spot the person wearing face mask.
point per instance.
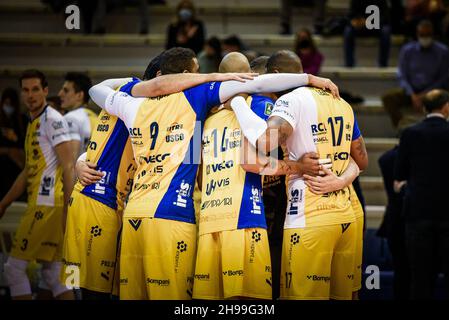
(12, 135)
(423, 65)
(307, 51)
(426, 209)
(186, 31)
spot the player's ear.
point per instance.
(185, 71)
(158, 73)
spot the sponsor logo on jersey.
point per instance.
(174, 137)
(99, 186)
(153, 158)
(219, 166)
(135, 223)
(341, 156)
(268, 108)
(215, 184)
(147, 186)
(318, 278)
(57, 125)
(296, 197)
(47, 184)
(135, 133)
(184, 193)
(232, 273)
(105, 118)
(216, 203)
(103, 128)
(256, 199)
(318, 129)
(202, 277)
(159, 282)
(174, 127)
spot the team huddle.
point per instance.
(229, 185)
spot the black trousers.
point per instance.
(427, 245)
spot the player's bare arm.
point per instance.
(359, 153)
(65, 159)
(75, 146)
(172, 83)
(17, 189)
(330, 182)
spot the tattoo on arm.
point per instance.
(361, 149)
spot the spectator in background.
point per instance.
(209, 59)
(357, 27)
(319, 10)
(232, 44)
(307, 51)
(419, 10)
(187, 31)
(393, 225)
(422, 162)
(423, 66)
(12, 137)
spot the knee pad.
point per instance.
(50, 275)
(15, 273)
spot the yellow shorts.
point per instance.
(318, 262)
(39, 235)
(233, 264)
(90, 243)
(157, 259)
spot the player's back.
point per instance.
(324, 125)
(231, 197)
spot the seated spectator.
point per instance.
(12, 137)
(422, 162)
(419, 10)
(319, 10)
(232, 44)
(209, 59)
(357, 27)
(186, 31)
(307, 51)
(423, 66)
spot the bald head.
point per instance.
(234, 62)
(436, 100)
(284, 61)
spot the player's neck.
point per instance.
(76, 106)
(37, 112)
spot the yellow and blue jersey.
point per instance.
(231, 197)
(110, 149)
(165, 134)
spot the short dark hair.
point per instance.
(284, 61)
(233, 41)
(153, 67)
(435, 100)
(259, 64)
(34, 73)
(81, 82)
(176, 60)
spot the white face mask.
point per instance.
(8, 109)
(425, 42)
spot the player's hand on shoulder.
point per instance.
(325, 84)
(86, 173)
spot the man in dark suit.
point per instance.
(423, 159)
(393, 226)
